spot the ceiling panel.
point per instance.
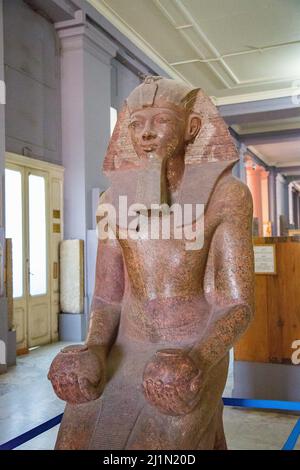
(285, 153)
(233, 25)
(147, 22)
(267, 126)
(207, 42)
(268, 66)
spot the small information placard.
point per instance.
(264, 259)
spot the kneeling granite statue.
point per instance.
(166, 309)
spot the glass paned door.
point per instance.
(39, 323)
(26, 215)
(15, 205)
(14, 225)
(37, 235)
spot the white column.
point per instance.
(86, 56)
(240, 167)
(2, 118)
(243, 156)
(291, 211)
(272, 199)
(279, 199)
(3, 303)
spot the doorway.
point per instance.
(33, 220)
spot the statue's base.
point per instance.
(72, 326)
(266, 381)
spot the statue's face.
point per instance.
(158, 132)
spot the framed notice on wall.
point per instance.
(265, 259)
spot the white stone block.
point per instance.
(71, 276)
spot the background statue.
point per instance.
(154, 366)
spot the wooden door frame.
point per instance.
(53, 172)
(24, 299)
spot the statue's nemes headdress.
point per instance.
(206, 158)
(213, 143)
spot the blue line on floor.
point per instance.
(293, 437)
(238, 402)
(27, 436)
(264, 404)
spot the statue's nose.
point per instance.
(148, 133)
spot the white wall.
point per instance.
(123, 81)
(2, 117)
(3, 306)
(32, 74)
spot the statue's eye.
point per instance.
(163, 120)
(135, 124)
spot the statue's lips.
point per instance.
(149, 148)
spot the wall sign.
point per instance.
(264, 259)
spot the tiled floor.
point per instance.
(27, 400)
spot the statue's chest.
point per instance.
(181, 230)
(166, 249)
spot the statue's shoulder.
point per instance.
(234, 187)
(236, 195)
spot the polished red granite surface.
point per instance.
(166, 311)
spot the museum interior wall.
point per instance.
(3, 302)
(32, 75)
(63, 73)
(123, 81)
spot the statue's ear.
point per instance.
(193, 127)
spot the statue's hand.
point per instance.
(172, 382)
(77, 374)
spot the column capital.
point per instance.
(79, 34)
(252, 166)
(250, 170)
(280, 178)
(264, 174)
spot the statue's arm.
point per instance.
(108, 293)
(230, 289)
(78, 373)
